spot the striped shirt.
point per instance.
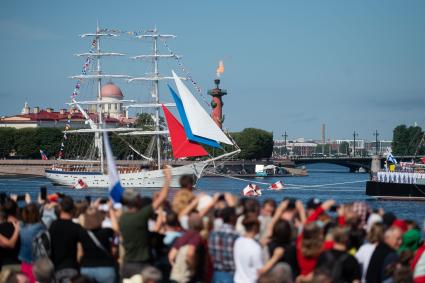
(220, 244)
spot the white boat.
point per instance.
(196, 128)
(251, 190)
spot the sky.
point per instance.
(289, 65)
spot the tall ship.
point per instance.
(197, 139)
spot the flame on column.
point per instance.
(220, 68)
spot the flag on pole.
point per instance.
(43, 155)
(391, 158)
(115, 188)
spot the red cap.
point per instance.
(400, 224)
(53, 198)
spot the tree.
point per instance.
(406, 140)
(7, 141)
(254, 143)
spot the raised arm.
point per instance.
(114, 219)
(165, 189)
(278, 213)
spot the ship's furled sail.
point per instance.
(186, 125)
(182, 146)
(200, 122)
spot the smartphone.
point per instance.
(43, 193)
(88, 199)
(103, 201)
(334, 208)
(20, 198)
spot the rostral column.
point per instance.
(217, 101)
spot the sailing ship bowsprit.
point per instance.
(187, 137)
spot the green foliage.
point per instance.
(406, 140)
(7, 141)
(254, 143)
(27, 142)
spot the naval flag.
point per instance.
(115, 188)
(391, 158)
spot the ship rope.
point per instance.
(293, 186)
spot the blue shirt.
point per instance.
(26, 235)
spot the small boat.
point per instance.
(278, 186)
(80, 184)
(252, 190)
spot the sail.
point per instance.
(200, 122)
(186, 125)
(182, 147)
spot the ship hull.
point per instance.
(141, 179)
(384, 190)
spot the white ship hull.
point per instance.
(140, 179)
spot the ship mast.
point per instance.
(155, 78)
(97, 76)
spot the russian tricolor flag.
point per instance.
(115, 188)
(43, 155)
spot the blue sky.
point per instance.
(289, 65)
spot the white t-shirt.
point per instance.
(363, 256)
(248, 259)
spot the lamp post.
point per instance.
(376, 134)
(354, 144)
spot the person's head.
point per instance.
(312, 241)
(67, 205)
(16, 277)
(187, 182)
(376, 233)
(131, 198)
(80, 207)
(151, 274)
(388, 219)
(81, 279)
(340, 236)
(93, 218)
(43, 270)
(228, 214)
(280, 273)
(195, 222)
(411, 224)
(251, 206)
(10, 208)
(30, 214)
(172, 220)
(393, 237)
(251, 224)
(268, 208)
(282, 232)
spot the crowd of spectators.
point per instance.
(194, 237)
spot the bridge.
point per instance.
(352, 162)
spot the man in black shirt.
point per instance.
(64, 236)
(337, 263)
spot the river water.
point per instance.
(325, 181)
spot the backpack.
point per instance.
(41, 246)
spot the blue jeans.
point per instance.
(100, 274)
(223, 277)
